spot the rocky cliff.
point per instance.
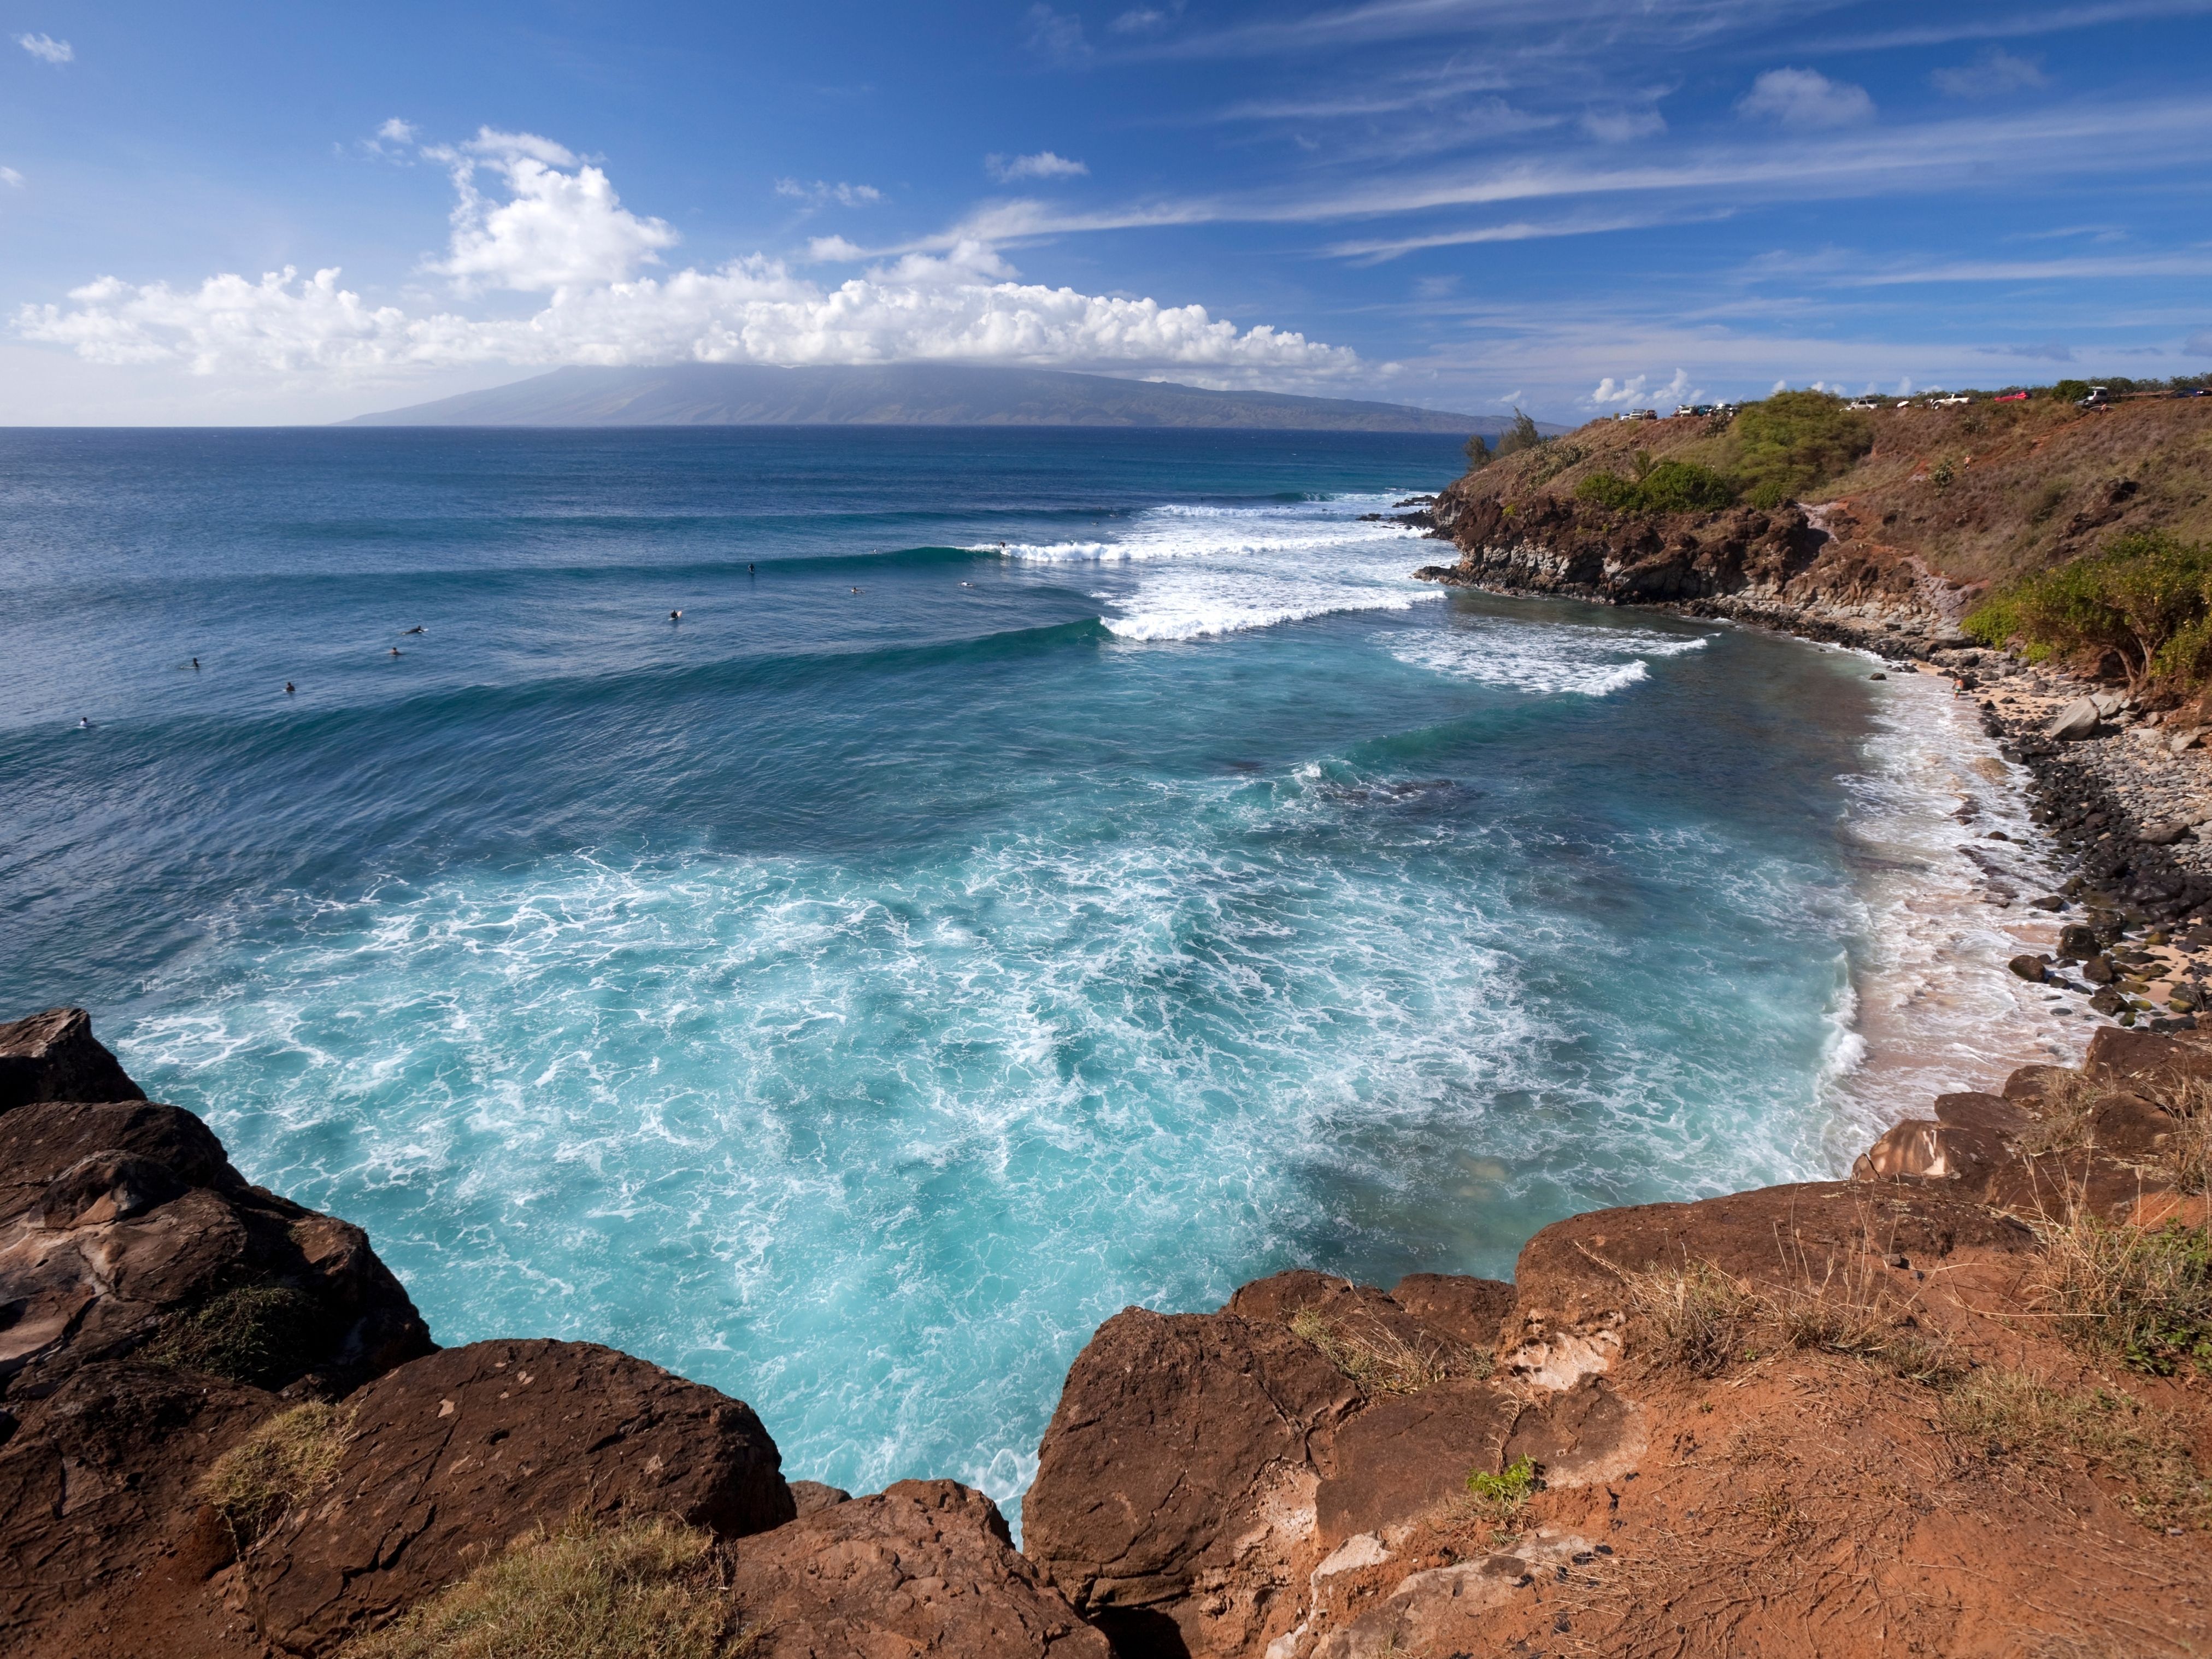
(1886, 554)
(1950, 1405)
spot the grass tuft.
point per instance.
(2034, 1418)
(645, 1589)
(2142, 1294)
(1702, 1317)
(1505, 1494)
(285, 1461)
(262, 1335)
(1383, 1362)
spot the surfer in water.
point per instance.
(417, 629)
(287, 688)
(196, 662)
(676, 616)
(83, 724)
(395, 650)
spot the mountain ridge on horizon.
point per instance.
(903, 394)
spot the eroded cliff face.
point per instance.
(1820, 573)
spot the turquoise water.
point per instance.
(851, 994)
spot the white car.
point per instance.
(1953, 401)
(1862, 402)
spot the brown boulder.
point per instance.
(450, 1456)
(1975, 1110)
(2119, 1058)
(923, 1567)
(123, 1227)
(1176, 1482)
(1467, 1309)
(1920, 1149)
(54, 1056)
(1406, 1453)
(96, 1505)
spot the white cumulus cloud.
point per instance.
(561, 225)
(561, 230)
(1043, 165)
(1639, 389)
(1805, 97)
(46, 49)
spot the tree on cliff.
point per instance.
(1523, 435)
(1478, 454)
(2145, 598)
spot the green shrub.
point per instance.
(1666, 487)
(1793, 442)
(2070, 391)
(2144, 1296)
(1523, 435)
(1478, 454)
(2145, 597)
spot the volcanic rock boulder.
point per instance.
(447, 1458)
(124, 1228)
(97, 1489)
(923, 1567)
(1201, 1467)
(1175, 1499)
(54, 1056)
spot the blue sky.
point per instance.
(1560, 204)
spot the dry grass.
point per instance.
(1703, 1317)
(264, 1334)
(2142, 1294)
(2061, 1115)
(2188, 1143)
(2015, 1414)
(649, 1589)
(285, 1461)
(1380, 1360)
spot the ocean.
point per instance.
(1041, 871)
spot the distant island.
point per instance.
(904, 394)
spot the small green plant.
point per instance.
(1942, 474)
(1507, 1493)
(649, 1588)
(283, 1462)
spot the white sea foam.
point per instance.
(1935, 1008)
(1192, 571)
(1543, 657)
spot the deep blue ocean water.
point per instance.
(851, 992)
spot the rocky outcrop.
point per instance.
(446, 1458)
(53, 1056)
(123, 1228)
(922, 1567)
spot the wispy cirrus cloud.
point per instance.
(1991, 75)
(46, 49)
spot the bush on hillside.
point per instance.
(1667, 487)
(2069, 392)
(1795, 442)
(1478, 454)
(1521, 435)
(2145, 597)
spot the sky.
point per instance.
(262, 213)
